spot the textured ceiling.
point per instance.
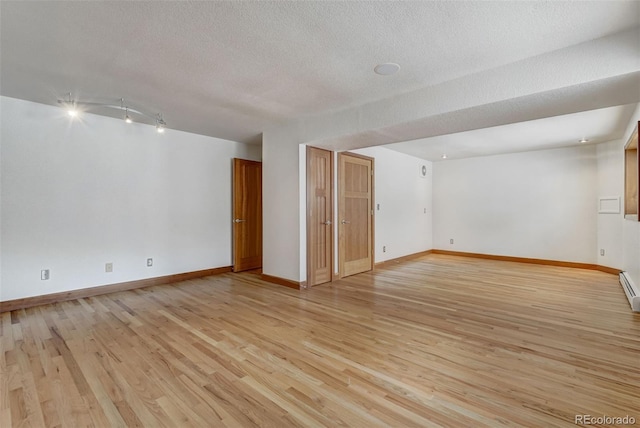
(234, 69)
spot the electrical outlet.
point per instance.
(44, 274)
(451, 241)
(378, 207)
(384, 248)
(108, 267)
(602, 252)
(425, 210)
(149, 262)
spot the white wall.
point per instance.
(479, 100)
(403, 222)
(302, 191)
(282, 230)
(611, 184)
(537, 204)
(78, 194)
(631, 249)
(630, 228)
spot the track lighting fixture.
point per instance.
(127, 118)
(72, 105)
(160, 124)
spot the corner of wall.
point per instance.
(281, 204)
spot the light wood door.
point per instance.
(319, 216)
(355, 227)
(247, 215)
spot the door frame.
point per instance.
(372, 207)
(332, 209)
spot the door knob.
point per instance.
(328, 223)
(239, 220)
(345, 222)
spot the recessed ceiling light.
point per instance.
(387, 69)
(444, 156)
(584, 140)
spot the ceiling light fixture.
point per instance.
(72, 105)
(444, 156)
(583, 140)
(127, 118)
(160, 124)
(387, 69)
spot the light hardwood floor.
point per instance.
(436, 341)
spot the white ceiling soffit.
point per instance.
(597, 126)
(614, 91)
(234, 69)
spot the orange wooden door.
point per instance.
(247, 215)
(319, 216)
(355, 228)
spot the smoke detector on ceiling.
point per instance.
(387, 69)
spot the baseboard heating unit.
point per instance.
(631, 290)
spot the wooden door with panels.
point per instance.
(355, 206)
(247, 215)
(319, 216)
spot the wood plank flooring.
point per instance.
(436, 341)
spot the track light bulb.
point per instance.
(160, 124)
(72, 109)
(127, 118)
